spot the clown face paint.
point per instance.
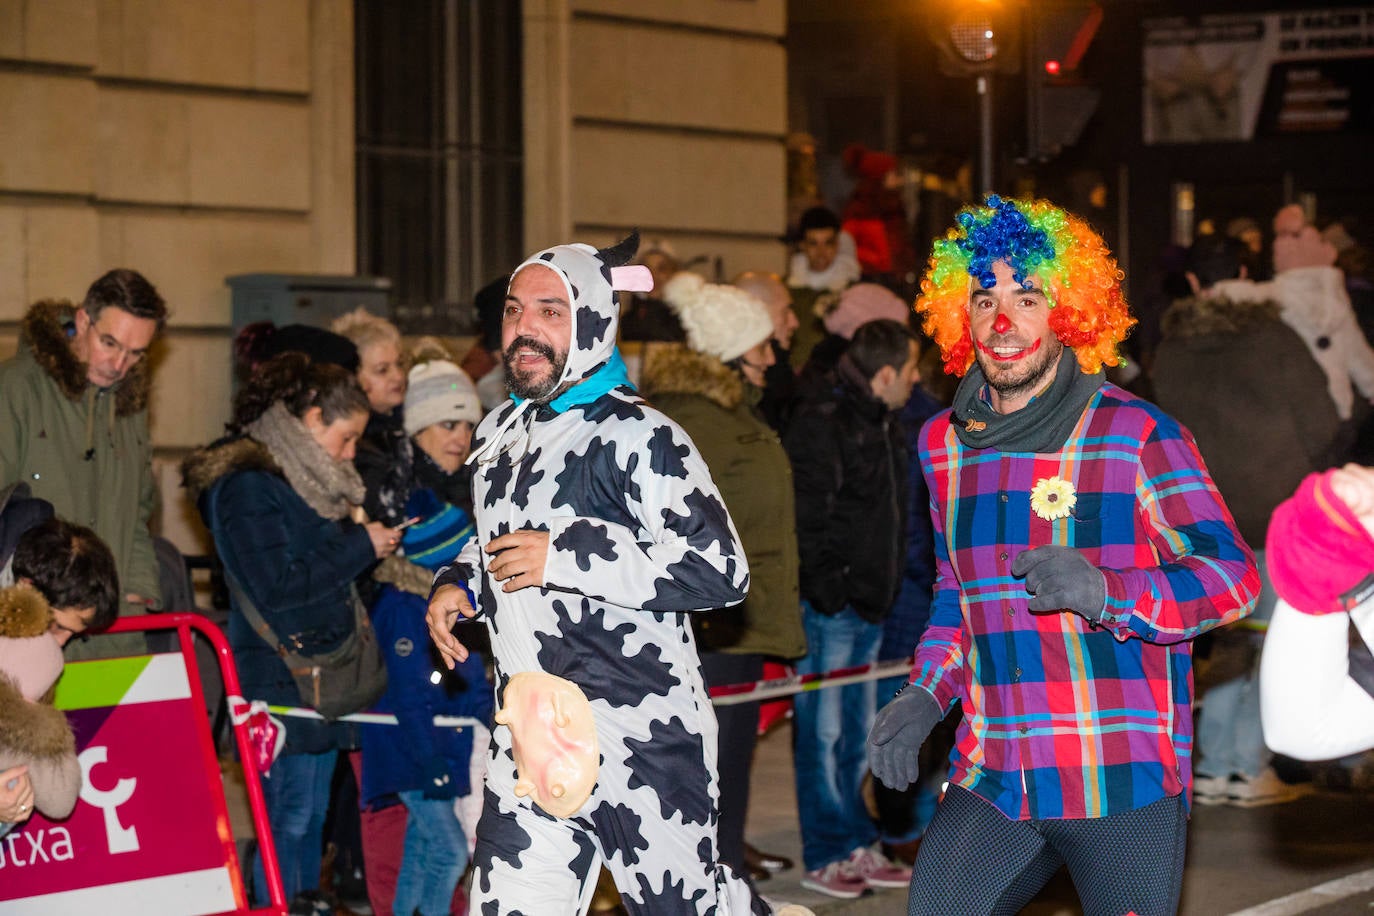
(1012, 340)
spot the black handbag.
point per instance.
(347, 679)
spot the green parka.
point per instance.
(709, 400)
(84, 449)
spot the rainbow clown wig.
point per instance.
(1036, 238)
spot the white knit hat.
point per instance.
(439, 391)
(720, 321)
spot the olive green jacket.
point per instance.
(747, 462)
(84, 449)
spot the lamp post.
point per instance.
(976, 39)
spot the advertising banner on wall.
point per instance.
(150, 833)
(1239, 76)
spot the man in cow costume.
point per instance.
(598, 527)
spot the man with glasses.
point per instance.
(74, 425)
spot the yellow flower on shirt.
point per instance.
(1052, 498)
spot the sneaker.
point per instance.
(835, 880)
(1211, 790)
(877, 870)
(1265, 789)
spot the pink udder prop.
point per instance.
(553, 738)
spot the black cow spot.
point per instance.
(592, 655)
(670, 762)
(692, 583)
(705, 523)
(486, 597)
(666, 454)
(586, 854)
(520, 496)
(498, 477)
(618, 827)
(604, 408)
(593, 485)
(586, 539)
(500, 836)
(672, 899)
(546, 256)
(591, 327)
(577, 293)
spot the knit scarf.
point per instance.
(332, 488)
(1041, 426)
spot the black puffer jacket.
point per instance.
(849, 464)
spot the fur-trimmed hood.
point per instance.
(43, 333)
(1207, 316)
(24, 612)
(204, 466)
(676, 369)
(32, 728)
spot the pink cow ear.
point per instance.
(635, 279)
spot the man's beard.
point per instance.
(1026, 376)
(527, 386)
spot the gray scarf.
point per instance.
(332, 488)
(1042, 426)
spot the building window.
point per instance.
(440, 157)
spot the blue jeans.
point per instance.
(297, 794)
(830, 728)
(1229, 739)
(436, 852)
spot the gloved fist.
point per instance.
(438, 783)
(899, 730)
(1061, 579)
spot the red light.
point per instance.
(1052, 67)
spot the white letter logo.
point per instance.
(119, 837)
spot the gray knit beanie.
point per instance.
(439, 391)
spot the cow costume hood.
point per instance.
(591, 278)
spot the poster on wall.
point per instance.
(1240, 76)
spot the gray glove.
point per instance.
(899, 730)
(1061, 579)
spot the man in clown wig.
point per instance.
(1080, 545)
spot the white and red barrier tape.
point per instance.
(724, 695)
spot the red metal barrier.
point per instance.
(151, 834)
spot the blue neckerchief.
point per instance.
(611, 375)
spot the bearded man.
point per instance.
(1080, 546)
(598, 528)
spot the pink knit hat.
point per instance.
(34, 663)
(1317, 549)
(862, 303)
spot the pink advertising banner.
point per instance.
(150, 833)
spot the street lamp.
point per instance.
(977, 38)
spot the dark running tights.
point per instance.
(974, 860)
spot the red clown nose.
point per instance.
(1001, 324)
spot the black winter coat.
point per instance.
(849, 467)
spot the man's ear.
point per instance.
(1195, 284)
(882, 379)
(82, 320)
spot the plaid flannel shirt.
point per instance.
(1063, 718)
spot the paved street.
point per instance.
(1239, 860)
(1313, 856)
